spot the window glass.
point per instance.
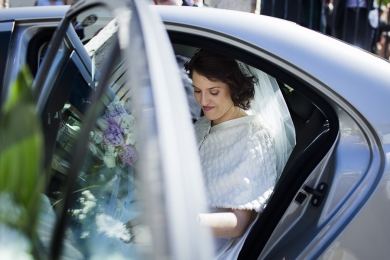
(89, 24)
(105, 214)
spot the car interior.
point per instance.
(316, 124)
(316, 127)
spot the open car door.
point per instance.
(119, 141)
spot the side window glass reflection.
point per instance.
(105, 213)
(80, 26)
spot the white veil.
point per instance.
(270, 106)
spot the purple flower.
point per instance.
(114, 113)
(128, 155)
(113, 136)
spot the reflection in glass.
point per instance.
(105, 216)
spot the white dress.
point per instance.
(239, 170)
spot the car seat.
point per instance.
(312, 132)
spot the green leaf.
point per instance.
(21, 90)
(21, 151)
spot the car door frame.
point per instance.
(6, 29)
(311, 173)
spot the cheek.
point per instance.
(197, 97)
(226, 99)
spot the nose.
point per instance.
(204, 101)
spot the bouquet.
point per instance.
(116, 136)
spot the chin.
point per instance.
(210, 117)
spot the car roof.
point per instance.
(34, 12)
(356, 75)
(352, 73)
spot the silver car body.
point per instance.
(352, 222)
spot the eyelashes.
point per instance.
(212, 93)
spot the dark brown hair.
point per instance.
(217, 67)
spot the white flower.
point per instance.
(88, 201)
(109, 161)
(112, 227)
(13, 244)
(130, 139)
(84, 234)
(110, 156)
(97, 137)
(88, 195)
(110, 151)
(88, 206)
(127, 123)
(77, 211)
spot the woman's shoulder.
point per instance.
(238, 129)
(202, 127)
(202, 121)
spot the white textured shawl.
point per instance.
(238, 163)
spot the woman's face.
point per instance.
(89, 20)
(213, 97)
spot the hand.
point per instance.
(230, 224)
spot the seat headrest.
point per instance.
(301, 105)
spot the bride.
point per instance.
(244, 141)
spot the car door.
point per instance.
(118, 139)
(5, 34)
(336, 157)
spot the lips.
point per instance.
(207, 108)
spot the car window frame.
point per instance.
(6, 29)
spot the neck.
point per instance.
(232, 113)
(166, 3)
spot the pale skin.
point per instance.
(215, 100)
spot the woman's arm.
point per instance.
(227, 224)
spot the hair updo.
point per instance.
(217, 67)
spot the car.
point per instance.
(332, 199)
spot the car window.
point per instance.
(105, 215)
